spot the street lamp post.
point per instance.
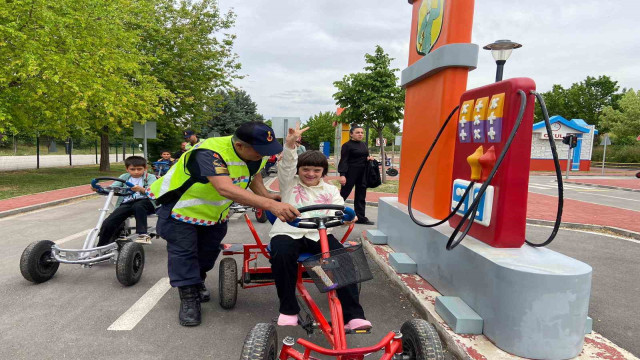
(501, 50)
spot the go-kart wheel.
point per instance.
(228, 283)
(392, 172)
(261, 343)
(638, 174)
(130, 263)
(420, 341)
(37, 263)
(261, 216)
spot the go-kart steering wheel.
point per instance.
(117, 190)
(342, 214)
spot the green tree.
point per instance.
(233, 108)
(584, 100)
(74, 66)
(373, 97)
(192, 46)
(625, 122)
(320, 129)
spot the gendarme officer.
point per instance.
(195, 196)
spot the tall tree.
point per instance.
(625, 122)
(584, 100)
(320, 129)
(373, 97)
(232, 108)
(75, 65)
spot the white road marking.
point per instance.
(617, 197)
(137, 311)
(589, 232)
(538, 187)
(72, 237)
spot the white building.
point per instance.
(541, 158)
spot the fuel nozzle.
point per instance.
(474, 163)
(487, 161)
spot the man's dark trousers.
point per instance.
(193, 249)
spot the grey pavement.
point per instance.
(8, 163)
(68, 316)
(609, 197)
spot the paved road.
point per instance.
(68, 316)
(610, 197)
(8, 163)
(615, 290)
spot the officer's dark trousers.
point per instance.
(355, 177)
(284, 265)
(139, 208)
(192, 249)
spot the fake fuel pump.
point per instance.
(491, 165)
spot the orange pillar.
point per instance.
(434, 83)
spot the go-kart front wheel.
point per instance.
(37, 263)
(261, 216)
(261, 343)
(228, 283)
(420, 341)
(130, 263)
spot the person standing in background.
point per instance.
(179, 153)
(353, 162)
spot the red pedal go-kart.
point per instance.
(330, 270)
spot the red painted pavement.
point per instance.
(623, 183)
(543, 207)
(44, 197)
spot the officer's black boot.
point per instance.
(205, 294)
(189, 305)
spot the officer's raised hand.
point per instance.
(285, 212)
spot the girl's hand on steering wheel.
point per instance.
(352, 221)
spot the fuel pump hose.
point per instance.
(452, 242)
(415, 180)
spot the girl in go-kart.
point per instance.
(301, 184)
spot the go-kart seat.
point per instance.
(272, 218)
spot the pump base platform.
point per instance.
(533, 301)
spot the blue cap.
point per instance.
(260, 136)
(188, 133)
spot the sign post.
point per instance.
(145, 131)
(605, 141)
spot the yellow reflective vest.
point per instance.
(200, 203)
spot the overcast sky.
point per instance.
(293, 50)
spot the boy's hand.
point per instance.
(139, 189)
(294, 134)
(93, 189)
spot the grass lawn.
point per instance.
(23, 182)
(391, 186)
(31, 150)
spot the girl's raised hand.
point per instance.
(294, 134)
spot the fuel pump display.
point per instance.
(487, 116)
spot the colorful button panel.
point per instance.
(464, 122)
(494, 118)
(479, 119)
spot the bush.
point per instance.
(617, 153)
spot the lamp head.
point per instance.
(501, 49)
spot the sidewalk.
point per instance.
(31, 202)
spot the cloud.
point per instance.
(293, 51)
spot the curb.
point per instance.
(577, 226)
(368, 203)
(42, 205)
(471, 347)
(603, 186)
